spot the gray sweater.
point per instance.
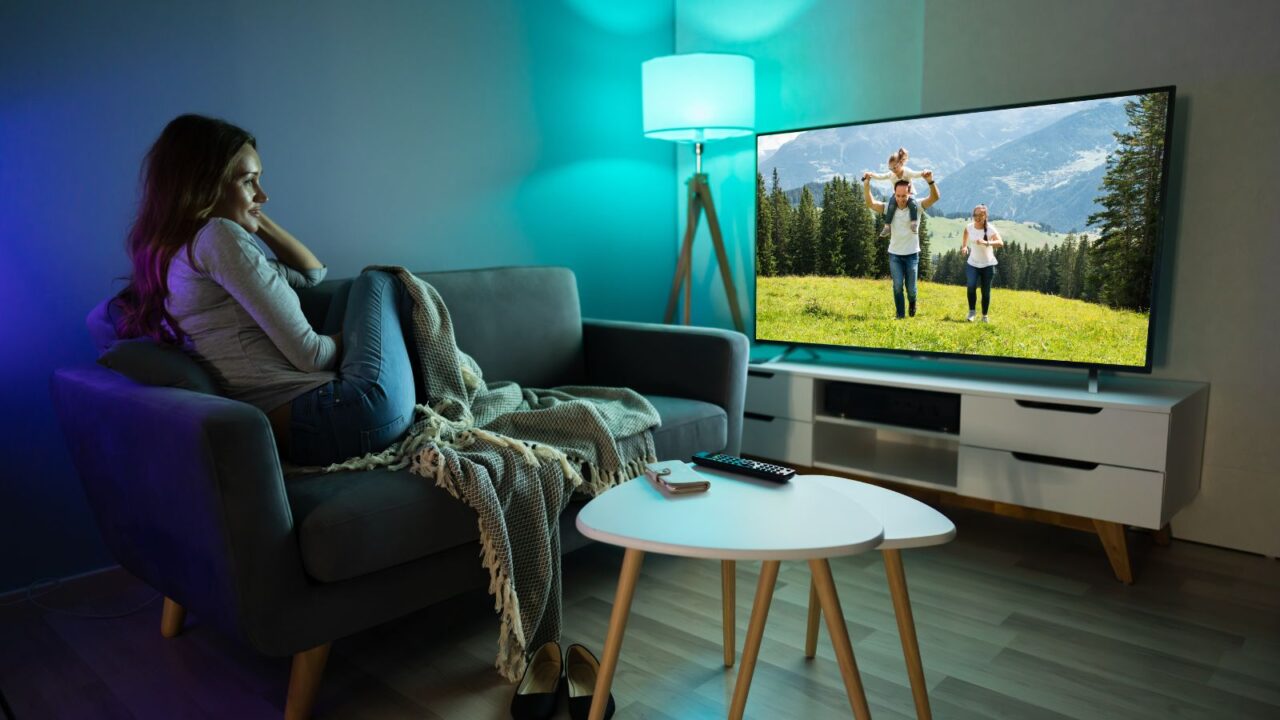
(244, 319)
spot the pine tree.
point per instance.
(1067, 268)
(782, 224)
(806, 229)
(926, 260)
(860, 249)
(1084, 271)
(766, 261)
(834, 225)
(1123, 255)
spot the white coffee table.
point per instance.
(908, 523)
(737, 519)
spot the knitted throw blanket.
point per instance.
(514, 456)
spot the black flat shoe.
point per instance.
(580, 671)
(539, 689)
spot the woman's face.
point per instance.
(242, 196)
(980, 215)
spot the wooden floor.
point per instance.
(1016, 620)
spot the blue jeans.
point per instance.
(370, 403)
(973, 275)
(903, 268)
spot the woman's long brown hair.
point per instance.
(182, 179)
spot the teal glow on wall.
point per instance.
(818, 62)
(432, 135)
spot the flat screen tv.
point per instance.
(1064, 272)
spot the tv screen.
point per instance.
(1026, 233)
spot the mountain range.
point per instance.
(1039, 164)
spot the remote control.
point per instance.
(742, 466)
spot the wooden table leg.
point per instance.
(1113, 541)
(617, 625)
(755, 634)
(171, 619)
(811, 630)
(304, 681)
(907, 631)
(821, 571)
(728, 588)
(1163, 536)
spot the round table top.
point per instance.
(908, 523)
(739, 518)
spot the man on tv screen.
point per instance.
(901, 220)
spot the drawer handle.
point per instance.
(760, 374)
(1061, 462)
(1059, 407)
(757, 416)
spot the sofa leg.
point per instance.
(171, 619)
(304, 681)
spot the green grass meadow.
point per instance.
(1024, 324)
(946, 234)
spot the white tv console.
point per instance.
(1037, 446)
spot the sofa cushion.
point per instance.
(688, 426)
(521, 324)
(354, 523)
(146, 361)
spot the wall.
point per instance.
(433, 135)
(818, 62)
(824, 61)
(1219, 325)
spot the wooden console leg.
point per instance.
(728, 587)
(907, 631)
(1163, 536)
(304, 681)
(1112, 536)
(811, 631)
(171, 619)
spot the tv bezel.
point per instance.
(1157, 261)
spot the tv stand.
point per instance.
(813, 354)
(1033, 446)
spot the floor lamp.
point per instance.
(698, 98)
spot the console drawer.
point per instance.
(1128, 438)
(779, 394)
(787, 441)
(1105, 492)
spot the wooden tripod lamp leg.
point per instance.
(684, 264)
(713, 224)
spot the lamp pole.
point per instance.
(699, 202)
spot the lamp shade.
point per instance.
(699, 97)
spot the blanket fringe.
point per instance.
(447, 427)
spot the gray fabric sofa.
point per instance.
(189, 494)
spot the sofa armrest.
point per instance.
(698, 363)
(187, 491)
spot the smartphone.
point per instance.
(664, 478)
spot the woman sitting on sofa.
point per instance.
(201, 281)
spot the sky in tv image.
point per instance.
(1072, 188)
